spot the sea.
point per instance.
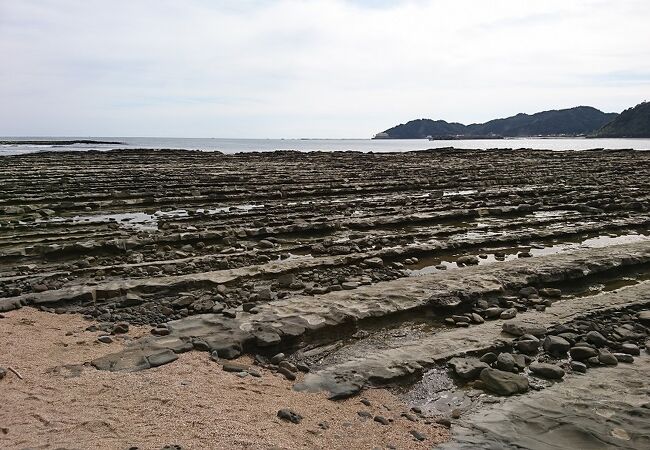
(306, 145)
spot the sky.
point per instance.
(309, 68)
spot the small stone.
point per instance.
(417, 435)
(607, 358)
(289, 375)
(364, 414)
(582, 353)
(578, 366)
(276, 359)
(234, 367)
(624, 358)
(467, 368)
(505, 362)
(595, 338)
(508, 314)
(365, 401)
(289, 416)
(105, 339)
(529, 346)
(556, 345)
(504, 383)
(544, 370)
(455, 413)
(289, 366)
(444, 421)
(120, 328)
(630, 349)
(488, 358)
(382, 420)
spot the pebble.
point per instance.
(382, 420)
(105, 339)
(289, 416)
(289, 375)
(417, 435)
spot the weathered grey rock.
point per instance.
(467, 368)
(516, 328)
(556, 345)
(504, 383)
(162, 357)
(508, 314)
(544, 370)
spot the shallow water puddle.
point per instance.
(433, 264)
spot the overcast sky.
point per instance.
(312, 68)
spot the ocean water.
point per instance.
(363, 145)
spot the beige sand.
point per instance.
(191, 402)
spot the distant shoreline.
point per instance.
(57, 142)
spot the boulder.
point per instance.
(504, 383)
(595, 338)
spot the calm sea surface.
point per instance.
(364, 145)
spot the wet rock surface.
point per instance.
(357, 269)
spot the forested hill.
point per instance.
(581, 120)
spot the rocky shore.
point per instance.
(423, 288)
